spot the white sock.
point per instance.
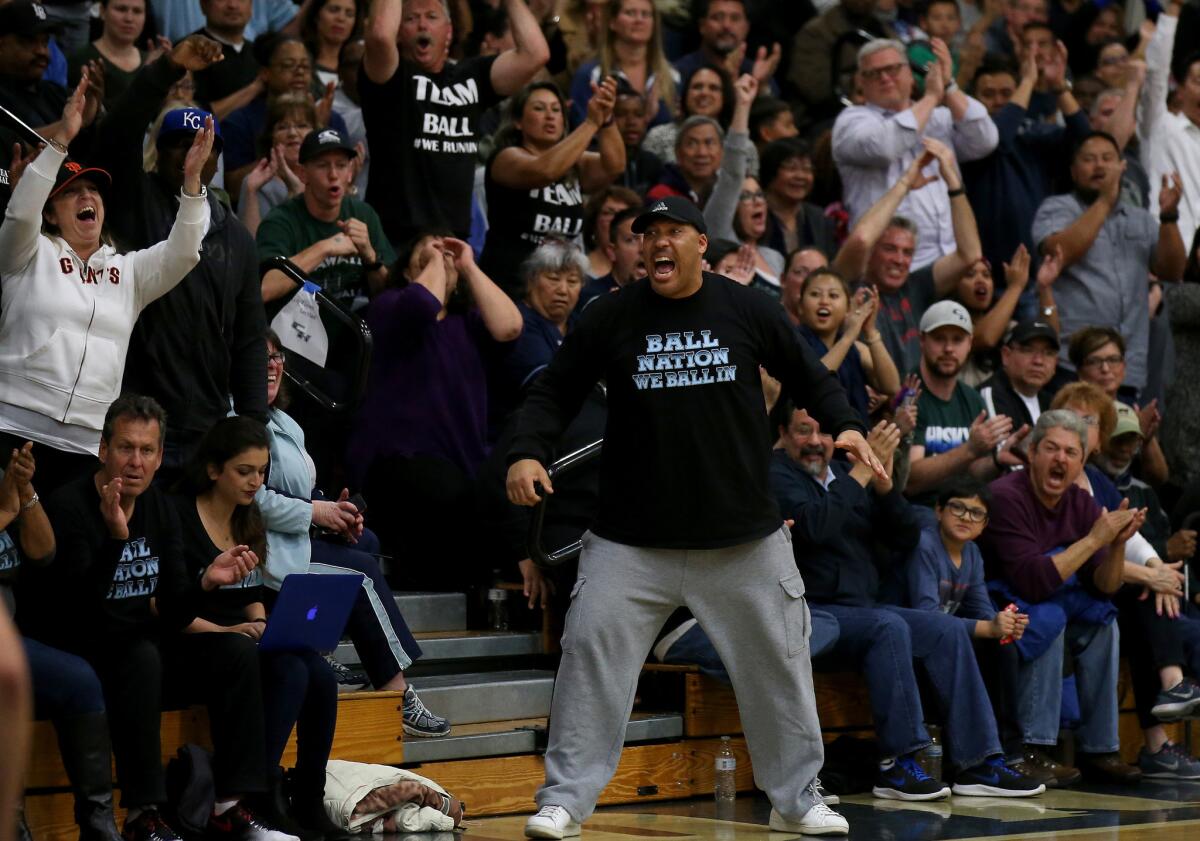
(223, 806)
(885, 764)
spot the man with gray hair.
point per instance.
(1055, 553)
(875, 143)
(699, 150)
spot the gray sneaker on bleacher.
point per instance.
(418, 720)
(348, 679)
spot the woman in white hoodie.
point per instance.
(70, 299)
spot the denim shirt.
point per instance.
(285, 500)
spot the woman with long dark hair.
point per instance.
(536, 178)
(218, 514)
(326, 26)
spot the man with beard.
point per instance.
(1028, 361)
(723, 27)
(686, 518)
(849, 524)
(954, 431)
(425, 109)
(1109, 250)
(1054, 552)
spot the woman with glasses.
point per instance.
(275, 178)
(1098, 355)
(291, 509)
(536, 178)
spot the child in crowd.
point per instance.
(938, 19)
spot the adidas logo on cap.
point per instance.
(661, 206)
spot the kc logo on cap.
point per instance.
(192, 119)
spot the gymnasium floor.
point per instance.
(1151, 812)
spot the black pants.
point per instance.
(1151, 642)
(418, 506)
(143, 676)
(299, 690)
(998, 665)
(55, 468)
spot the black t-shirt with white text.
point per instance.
(423, 129)
(687, 444)
(519, 220)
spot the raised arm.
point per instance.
(500, 315)
(852, 257)
(949, 268)
(514, 68)
(382, 55)
(1124, 118)
(520, 169)
(722, 204)
(1153, 100)
(1170, 257)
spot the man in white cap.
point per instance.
(954, 431)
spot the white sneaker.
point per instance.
(819, 820)
(551, 822)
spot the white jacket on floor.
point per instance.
(347, 783)
(65, 325)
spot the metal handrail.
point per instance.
(353, 322)
(534, 544)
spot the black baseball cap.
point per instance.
(1027, 331)
(25, 18)
(675, 208)
(322, 140)
(72, 170)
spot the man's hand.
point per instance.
(1010, 624)
(985, 433)
(945, 63)
(915, 177)
(1016, 273)
(538, 588)
(324, 105)
(1166, 583)
(1029, 68)
(884, 438)
(1050, 268)
(1149, 418)
(745, 89)
(947, 165)
(1170, 193)
(21, 467)
(859, 451)
(1010, 453)
(935, 81)
(230, 567)
(1110, 188)
(1135, 74)
(197, 157)
(1181, 546)
(1054, 71)
(112, 512)
(340, 245)
(765, 64)
(196, 53)
(1110, 525)
(356, 229)
(521, 478)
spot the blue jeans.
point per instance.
(64, 685)
(885, 640)
(1039, 692)
(694, 648)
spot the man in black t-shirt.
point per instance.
(686, 517)
(119, 595)
(425, 110)
(232, 82)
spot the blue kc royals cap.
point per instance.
(188, 121)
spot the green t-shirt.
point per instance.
(290, 228)
(943, 425)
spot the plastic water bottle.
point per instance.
(725, 782)
(498, 609)
(933, 754)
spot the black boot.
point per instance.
(87, 758)
(274, 809)
(308, 805)
(23, 833)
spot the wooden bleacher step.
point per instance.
(488, 696)
(438, 646)
(433, 611)
(506, 738)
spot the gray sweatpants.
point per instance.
(750, 601)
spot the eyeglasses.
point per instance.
(1112, 60)
(965, 512)
(890, 70)
(752, 195)
(277, 357)
(303, 128)
(291, 66)
(1089, 420)
(1101, 361)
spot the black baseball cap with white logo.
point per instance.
(1027, 331)
(25, 18)
(322, 140)
(675, 208)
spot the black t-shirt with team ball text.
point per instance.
(423, 140)
(687, 445)
(520, 220)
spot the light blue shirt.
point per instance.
(178, 19)
(285, 500)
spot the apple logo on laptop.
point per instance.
(312, 613)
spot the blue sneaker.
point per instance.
(1180, 701)
(1171, 762)
(904, 779)
(994, 778)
